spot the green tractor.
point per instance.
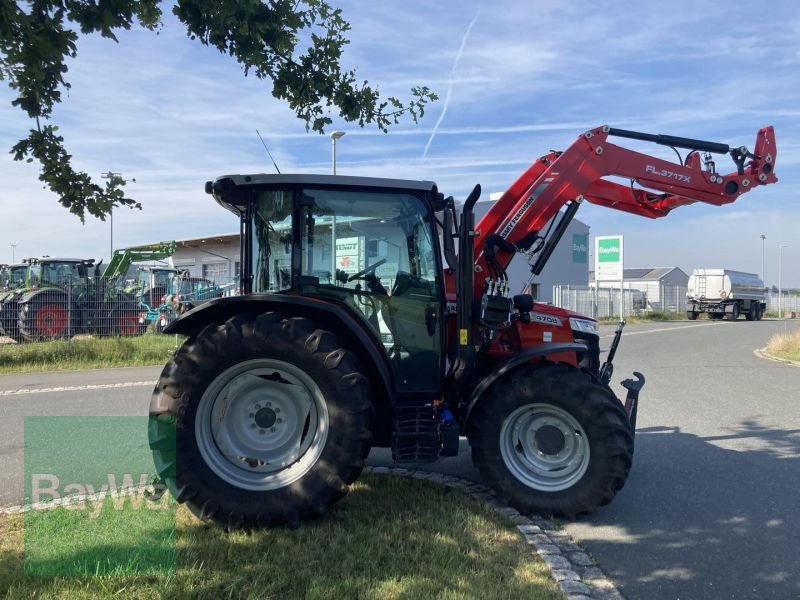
(155, 285)
(12, 278)
(65, 297)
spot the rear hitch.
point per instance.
(634, 386)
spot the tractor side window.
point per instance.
(271, 223)
(374, 252)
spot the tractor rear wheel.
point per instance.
(125, 321)
(46, 318)
(550, 439)
(260, 421)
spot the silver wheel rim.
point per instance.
(262, 424)
(528, 458)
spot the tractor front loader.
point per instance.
(372, 316)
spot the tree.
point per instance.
(264, 37)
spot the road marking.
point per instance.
(627, 333)
(75, 388)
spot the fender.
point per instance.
(544, 349)
(29, 295)
(335, 317)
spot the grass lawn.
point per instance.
(87, 353)
(785, 345)
(390, 538)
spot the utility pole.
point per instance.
(110, 175)
(13, 253)
(335, 136)
(780, 282)
(764, 259)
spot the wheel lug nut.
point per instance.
(273, 429)
(280, 420)
(277, 410)
(261, 431)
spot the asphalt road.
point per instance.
(710, 508)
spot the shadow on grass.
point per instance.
(389, 538)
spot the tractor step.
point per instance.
(416, 435)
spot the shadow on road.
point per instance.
(743, 544)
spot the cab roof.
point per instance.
(227, 190)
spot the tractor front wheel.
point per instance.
(260, 421)
(550, 439)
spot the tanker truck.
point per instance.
(725, 293)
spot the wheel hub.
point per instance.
(261, 424)
(265, 418)
(544, 447)
(549, 439)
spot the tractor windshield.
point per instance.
(60, 274)
(12, 276)
(372, 251)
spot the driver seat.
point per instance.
(404, 312)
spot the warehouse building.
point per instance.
(664, 287)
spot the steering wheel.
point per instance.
(370, 270)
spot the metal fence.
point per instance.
(789, 304)
(51, 308)
(612, 302)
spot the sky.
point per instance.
(515, 80)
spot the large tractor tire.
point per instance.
(550, 439)
(125, 321)
(261, 421)
(9, 317)
(46, 318)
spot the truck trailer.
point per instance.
(725, 293)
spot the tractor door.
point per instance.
(372, 251)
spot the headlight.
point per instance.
(583, 326)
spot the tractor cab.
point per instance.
(57, 272)
(367, 245)
(12, 276)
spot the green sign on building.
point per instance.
(580, 248)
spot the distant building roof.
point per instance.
(646, 274)
(199, 242)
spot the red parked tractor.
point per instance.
(372, 315)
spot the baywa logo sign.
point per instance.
(609, 250)
(580, 248)
(93, 505)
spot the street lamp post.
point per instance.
(780, 282)
(764, 259)
(13, 253)
(335, 136)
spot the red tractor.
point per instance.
(372, 315)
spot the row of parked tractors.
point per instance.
(56, 298)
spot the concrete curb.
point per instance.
(762, 353)
(577, 575)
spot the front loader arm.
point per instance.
(656, 186)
